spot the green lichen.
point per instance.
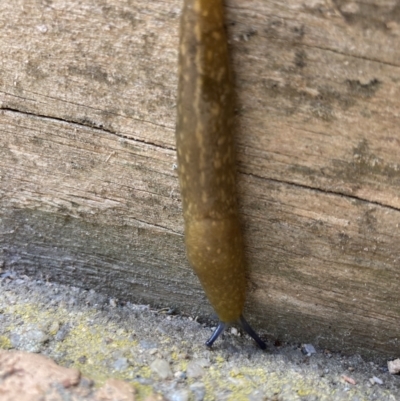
(5, 343)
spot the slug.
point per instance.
(206, 163)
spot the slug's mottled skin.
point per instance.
(206, 161)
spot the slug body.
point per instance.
(206, 161)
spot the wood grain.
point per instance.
(88, 187)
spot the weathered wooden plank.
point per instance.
(88, 190)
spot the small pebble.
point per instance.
(62, 332)
(308, 349)
(179, 395)
(194, 370)
(144, 380)
(377, 380)
(145, 344)
(203, 362)
(257, 395)
(121, 364)
(198, 390)
(82, 359)
(161, 368)
(30, 340)
(349, 380)
(180, 375)
(394, 366)
(54, 328)
(41, 28)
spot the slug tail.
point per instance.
(220, 328)
(248, 329)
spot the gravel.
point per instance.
(163, 357)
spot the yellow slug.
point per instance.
(206, 162)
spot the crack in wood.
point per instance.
(88, 124)
(356, 56)
(325, 191)
(108, 131)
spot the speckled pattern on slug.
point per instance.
(206, 157)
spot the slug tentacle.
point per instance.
(217, 332)
(248, 329)
(206, 161)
